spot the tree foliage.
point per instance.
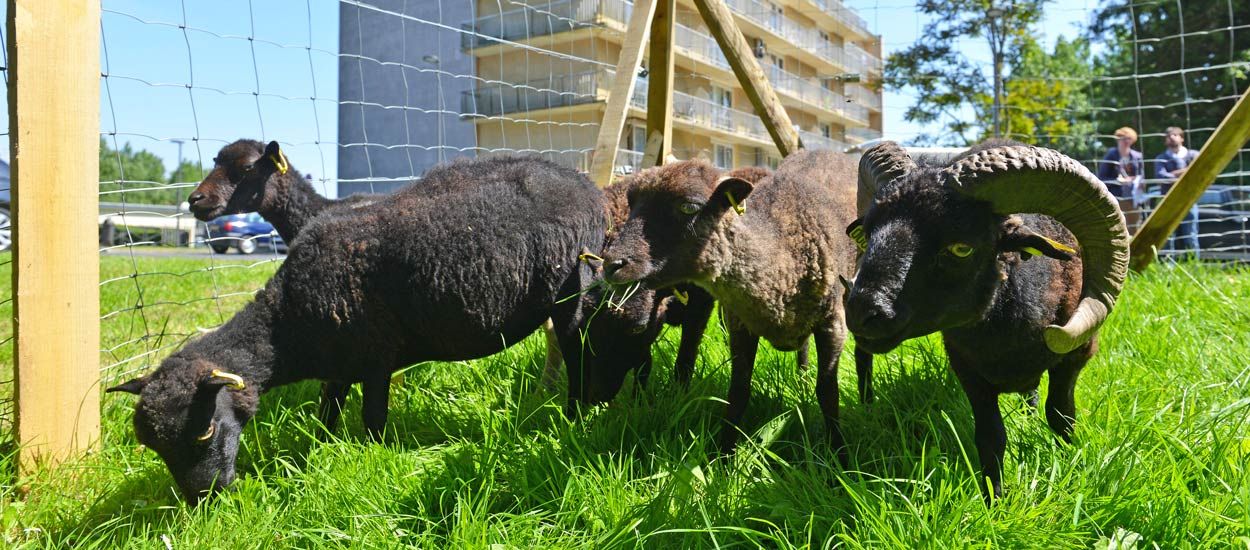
(1047, 100)
(945, 82)
(1169, 64)
(140, 174)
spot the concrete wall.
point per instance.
(399, 132)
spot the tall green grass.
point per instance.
(478, 454)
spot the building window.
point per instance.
(777, 61)
(826, 131)
(774, 162)
(639, 139)
(775, 13)
(724, 157)
(722, 97)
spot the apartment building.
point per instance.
(545, 69)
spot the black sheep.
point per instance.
(416, 277)
(946, 252)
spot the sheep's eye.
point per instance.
(688, 208)
(249, 167)
(212, 428)
(638, 329)
(960, 250)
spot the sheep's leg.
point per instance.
(1061, 399)
(1032, 398)
(801, 356)
(377, 394)
(333, 395)
(694, 323)
(991, 434)
(829, 341)
(742, 346)
(642, 375)
(555, 359)
(863, 373)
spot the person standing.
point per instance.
(1122, 168)
(1169, 165)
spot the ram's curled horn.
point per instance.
(1022, 179)
(881, 164)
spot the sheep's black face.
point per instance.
(931, 263)
(237, 182)
(934, 261)
(619, 332)
(195, 428)
(668, 229)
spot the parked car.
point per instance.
(1223, 221)
(6, 220)
(246, 233)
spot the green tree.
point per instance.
(945, 82)
(1169, 64)
(187, 172)
(1047, 101)
(134, 176)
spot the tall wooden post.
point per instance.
(720, 23)
(603, 160)
(1232, 133)
(54, 114)
(660, 89)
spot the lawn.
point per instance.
(478, 454)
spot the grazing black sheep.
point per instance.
(772, 261)
(416, 277)
(946, 251)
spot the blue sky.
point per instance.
(266, 88)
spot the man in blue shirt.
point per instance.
(1169, 165)
(1122, 168)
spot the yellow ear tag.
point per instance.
(236, 381)
(1058, 245)
(279, 161)
(856, 233)
(681, 296)
(740, 208)
(587, 256)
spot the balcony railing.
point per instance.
(813, 140)
(699, 46)
(557, 90)
(863, 96)
(860, 135)
(842, 13)
(541, 20)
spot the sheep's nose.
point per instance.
(195, 197)
(866, 316)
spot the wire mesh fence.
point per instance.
(365, 95)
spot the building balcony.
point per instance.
(494, 100)
(813, 140)
(863, 96)
(843, 14)
(860, 135)
(542, 19)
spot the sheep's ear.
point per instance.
(273, 152)
(1023, 240)
(730, 193)
(134, 386)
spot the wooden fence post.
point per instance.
(1232, 133)
(603, 159)
(720, 23)
(54, 114)
(660, 89)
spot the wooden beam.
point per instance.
(721, 24)
(54, 114)
(603, 159)
(660, 87)
(1215, 155)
